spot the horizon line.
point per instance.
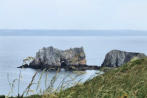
(74, 29)
(81, 29)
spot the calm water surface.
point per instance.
(13, 49)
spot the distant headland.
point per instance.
(13, 32)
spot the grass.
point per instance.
(127, 81)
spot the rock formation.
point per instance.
(116, 58)
(55, 57)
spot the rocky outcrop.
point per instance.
(51, 58)
(116, 58)
(55, 57)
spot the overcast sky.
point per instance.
(73, 14)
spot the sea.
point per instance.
(14, 48)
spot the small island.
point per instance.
(50, 58)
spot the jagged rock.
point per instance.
(54, 57)
(116, 58)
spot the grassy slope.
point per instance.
(130, 80)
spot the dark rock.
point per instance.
(81, 68)
(116, 58)
(67, 68)
(24, 66)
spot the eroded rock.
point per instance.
(116, 58)
(55, 57)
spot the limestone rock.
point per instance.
(116, 58)
(55, 57)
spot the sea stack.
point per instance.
(51, 56)
(53, 59)
(116, 58)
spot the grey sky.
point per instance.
(73, 14)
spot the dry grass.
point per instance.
(49, 92)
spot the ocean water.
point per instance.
(13, 49)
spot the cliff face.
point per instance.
(55, 57)
(116, 58)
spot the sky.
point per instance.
(74, 14)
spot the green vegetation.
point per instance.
(127, 81)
